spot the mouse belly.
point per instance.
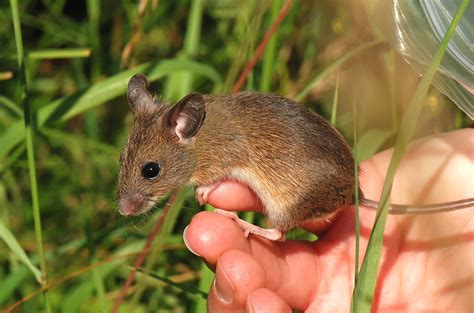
(275, 204)
(284, 210)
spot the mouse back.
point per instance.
(295, 161)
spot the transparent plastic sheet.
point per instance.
(415, 29)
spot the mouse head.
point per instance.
(158, 155)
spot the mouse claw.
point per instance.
(202, 193)
(273, 234)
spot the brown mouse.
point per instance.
(295, 161)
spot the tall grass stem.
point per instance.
(10, 105)
(356, 202)
(191, 42)
(59, 53)
(93, 12)
(335, 103)
(29, 136)
(269, 56)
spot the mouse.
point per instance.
(299, 166)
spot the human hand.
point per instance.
(427, 260)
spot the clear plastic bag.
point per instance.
(416, 27)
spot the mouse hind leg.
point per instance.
(274, 234)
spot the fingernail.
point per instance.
(224, 288)
(185, 239)
(249, 304)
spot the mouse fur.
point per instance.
(296, 162)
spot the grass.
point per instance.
(66, 68)
(29, 134)
(59, 54)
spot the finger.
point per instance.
(266, 301)
(233, 196)
(237, 275)
(438, 168)
(291, 267)
(209, 235)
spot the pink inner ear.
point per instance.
(180, 126)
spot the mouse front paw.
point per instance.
(202, 193)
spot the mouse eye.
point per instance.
(151, 170)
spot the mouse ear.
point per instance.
(138, 96)
(186, 117)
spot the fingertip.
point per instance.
(237, 274)
(233, 196)
(242, 271)
(263, 300)
(209, 235)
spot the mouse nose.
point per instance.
(132, 204)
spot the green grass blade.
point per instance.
(30, 148)
(76, 298)
(371, 142)
(269, 55)
(11, 282)
(356, 201)
(16, 248)
(66, 138)
(117, 85)
(59, 54)
(205, 281)
(334, 104)
(12, 157)
(335, 65)
(367, 279)
(93, 11)
(108, 89)
(169, 282)
(179, 84)
(99, 285)
(193, 30)
(11, 138)
(11, 106)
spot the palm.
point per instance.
(426, 263)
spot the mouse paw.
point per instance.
(202, 193)
(273, 234)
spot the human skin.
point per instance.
(427, 260)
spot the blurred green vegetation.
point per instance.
(81, 117)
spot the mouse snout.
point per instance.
(132, 204)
